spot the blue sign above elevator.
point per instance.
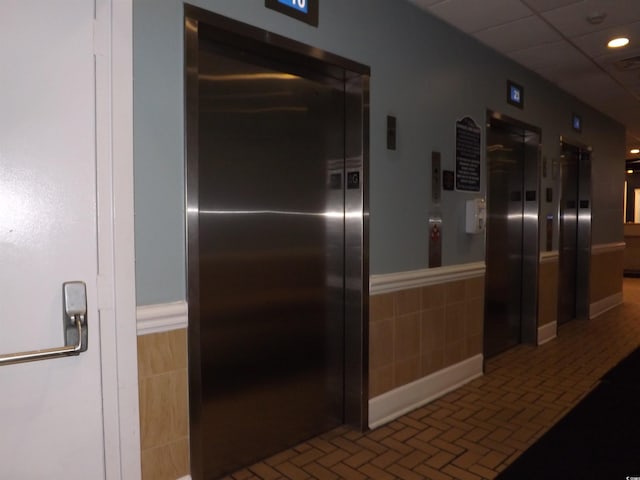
(303, 10)
(299, 5)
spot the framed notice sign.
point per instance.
(468, 135)
(303, 10)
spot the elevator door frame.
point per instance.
(356, 277)
(530, 232)
(583, 229)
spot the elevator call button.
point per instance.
(435, 233)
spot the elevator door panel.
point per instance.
(575, 233)
(271, 237)
(568, 236)
(504, 240)
(513, 151)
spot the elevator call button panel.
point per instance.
(435, 177)
(435, 241)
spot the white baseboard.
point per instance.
(188, 477)
(547, 332)
(162, 317)
(397, 402)
(393, 282)
(601, 306)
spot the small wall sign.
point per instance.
(391, 132)
(576, 122)
(515, 94)
(448, 179)
(303, 10)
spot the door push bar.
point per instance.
(74, 325)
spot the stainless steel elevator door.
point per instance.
(512, 236)
(575, 233)
(271, 179)
(568, 235)
(504, 239)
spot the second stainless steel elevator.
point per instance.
(575, 231)
(277, 242)
(511, 290)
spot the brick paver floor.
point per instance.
(474, 432)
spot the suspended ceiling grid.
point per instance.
(556, 39)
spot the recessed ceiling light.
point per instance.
(618, 42)
(634, 151)
(629, 171)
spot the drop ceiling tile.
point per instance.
(596, 84)
(544, 5)
(629, 78)
(628, 116)
(613, 56)
(518, 35)
(633, 137)
(595, 43)
(571, 20)
(474, 15)
(559, 57)
(623, 108)
(538, 42)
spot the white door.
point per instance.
(51, 412)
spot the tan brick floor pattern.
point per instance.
(474, 432)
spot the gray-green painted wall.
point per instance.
(422, 71)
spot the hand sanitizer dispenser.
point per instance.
(476, 219)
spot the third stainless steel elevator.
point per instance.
(277, 242)
(513, 152)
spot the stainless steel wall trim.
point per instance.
(530, 236)
(356, 253)
(492, 114)
(583, 270)
(192, 244)
(244, 33)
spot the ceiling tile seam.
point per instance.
(587, 56)
(508, 51)
(484, 29)
(556, 7)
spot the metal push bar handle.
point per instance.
(47, 353)
(74, 326)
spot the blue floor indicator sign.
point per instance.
(299, 5)
(303, 10)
